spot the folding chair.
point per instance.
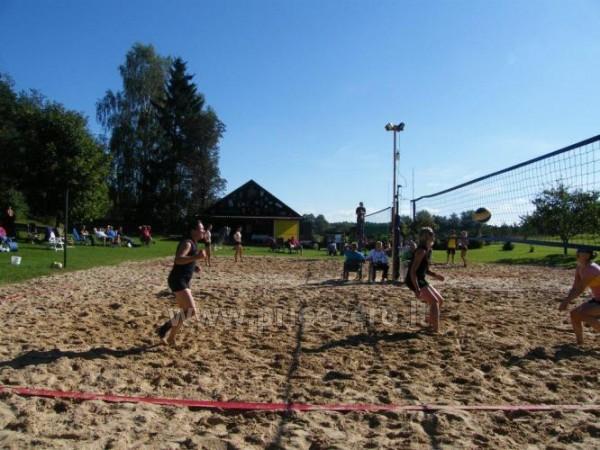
(77, 238)
(352, 266)
(55, 243)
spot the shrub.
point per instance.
(508, 246)
(475, 244)
(439, 245)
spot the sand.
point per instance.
(284, 329)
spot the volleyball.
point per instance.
(482, 215)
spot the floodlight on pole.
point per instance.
(396, 128)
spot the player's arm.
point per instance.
(435, 275)
(182, 256)
(577, 289)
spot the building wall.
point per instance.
(286, 229)
(250, 227)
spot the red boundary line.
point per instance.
(11, 298)
(278, 407)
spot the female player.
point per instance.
(237, 244)
(415, 278)
(587, 274)
(179, 281)
(208, 243)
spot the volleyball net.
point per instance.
(549, 200)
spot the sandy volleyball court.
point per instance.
(281, 330)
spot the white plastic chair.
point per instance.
(55, 243)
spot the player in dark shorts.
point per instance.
(587, 275)
(416, 282)
(179, 281)
(451, 247)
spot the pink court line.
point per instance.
(8, 298)
(279, 407)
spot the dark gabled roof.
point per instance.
(251, 200)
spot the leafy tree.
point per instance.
(454, 222)
(321, 224)
(47, 149)
(405, 226)
(190, 158)
(423, 219)
(9, 135)
(564, 213)
(314, 226)
(16, 199)
(467, 223)
(136, 138)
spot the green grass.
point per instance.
(542, 256)
(36, 259)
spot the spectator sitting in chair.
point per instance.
(353, 262)
(294, 244)
(32, 235)
(332, 249)
(112, 235)
(85, 234)
(101, 235)
(378, 261)
(3, 237)
(122, 238)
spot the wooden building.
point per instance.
(260, 214)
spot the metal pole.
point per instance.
(66, 229)
(394, 213)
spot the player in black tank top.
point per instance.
(179, 279)
(415, 278)
(181, 274)
(421, 270)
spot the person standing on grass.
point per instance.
(237, 244)
(587, 274)
(9, 222)
(179, 280)
(208, 243)
(451, 247)
(463, 244)
(416, 282)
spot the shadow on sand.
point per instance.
(37, 357)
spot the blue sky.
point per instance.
(306, 87)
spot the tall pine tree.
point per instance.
(190, 160)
